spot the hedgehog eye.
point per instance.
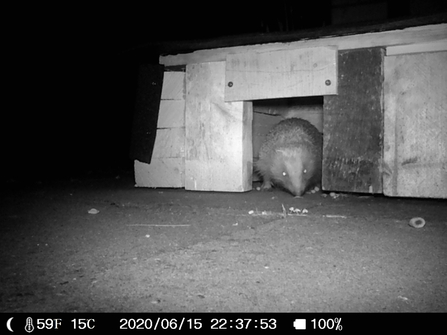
(284, 173)
(304, 171)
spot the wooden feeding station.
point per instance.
(377, 93)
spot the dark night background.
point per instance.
(72, 71)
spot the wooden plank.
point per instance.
(173, 86)
(165, 165)
(352, 149)
(170, 142)
(162, 172)
(281, 74)
(146, 112)
(187, 46)
(219, 152)
(415, 138)
(172, 114)
(420, 34)
(435, 46)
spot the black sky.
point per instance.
(74, 72)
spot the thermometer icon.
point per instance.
(29, 325)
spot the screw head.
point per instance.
(328, 82)
(230, 84)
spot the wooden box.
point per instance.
(383, 114)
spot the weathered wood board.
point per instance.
(406, 49)
(379, 38)
(171, 114)
(281, 74)
(145, 116)
(170, 142)
(173, 86)
(353, 121)
(415, 138)
(162, 172)
(218, 143)
(166, 168)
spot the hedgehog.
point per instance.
(290, 157)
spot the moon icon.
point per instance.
(8, 325)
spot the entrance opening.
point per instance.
(267, 113)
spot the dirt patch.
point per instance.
(174, 250)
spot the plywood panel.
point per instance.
(352, 124)
(162, 172)
(166, 166)
(172, 114)
(173, 86)
(170, 142)
(218, 134)
(415, 141)
(145, 117)
(280, 74)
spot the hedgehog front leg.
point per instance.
(266, 184)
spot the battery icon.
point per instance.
(299, 324)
